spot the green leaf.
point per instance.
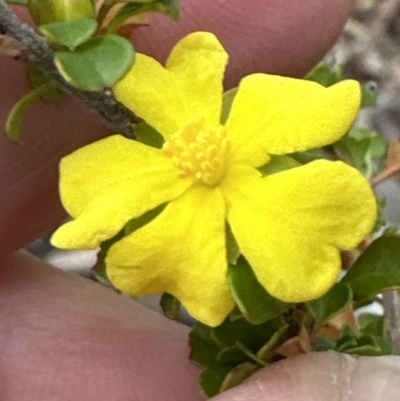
(211, 379)
(135, 7)
(251, 335)
(324, 74)
(265, 353)
(324, 343)
(372, 324)
(369, 94)
(16, 116)
(97, 64)
(39, 78)
(145, 218)
(376, 270)
(204, 349)
(170, 306)
(238, 353)
(351, 342)
(229, 332)
(232, 247)
(335, 301)
(232, 355)
(224, 349)
(48, 11)
(227, 102)
(253, 300)
(381, 219)
(70, 33)
(99, 272)
(307, 157)
(277, 164)
(360, 148)
(148, 135)
(238, 375)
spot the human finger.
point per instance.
(67, 338)
(326, 376)
(279, 37)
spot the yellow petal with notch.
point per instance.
(278, 115)
(107, 183)
(291, 225)
(189, 87)
(181, 252)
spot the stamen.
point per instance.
(199, 151)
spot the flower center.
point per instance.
(199, 151)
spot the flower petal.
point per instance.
(278, 115)
(190, 86)
(290, 225)
(107, 183)
(182, 252)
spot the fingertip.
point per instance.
(322, 376)
(71, 337)
(284, 37)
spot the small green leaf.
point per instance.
(324, 343)
(324, 74)
(381, 219)
(335, 301)
(16, 116)
(148, 135)
(99, 272)
(253, 300)
(39, 78)
(376, 270)
(238, 353)
(204, 349)
(229, 332)
(352, 342)
(277, 164)
(135, 7)
(70, 33)
(307, 157)
(170, 306)
(48, 11)
(225, 348)
(372, 324)
(232, 247)
(236, 314)
(97, 64)
(360, 148)
(266, 353)
(145, 218)
(211, 379)
(369, 94)
(227, 102)
(251, 335)
(232, 355)
(238, 375)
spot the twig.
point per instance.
(391, 306)
(118, 117)
(385, 174)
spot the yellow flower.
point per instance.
(290, 225)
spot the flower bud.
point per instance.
(48, 11)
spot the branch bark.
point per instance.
(117, 116)
(391, 306)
